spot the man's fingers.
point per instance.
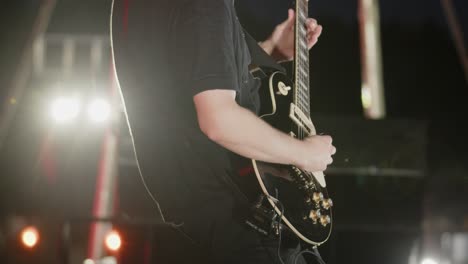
(289, 23)
(312, 42)
(333, 150)
(311, 24)
(316, 32)
(312, 38)
(328, 139)
(290, 13)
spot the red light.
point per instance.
(113, 241)
(30, 237)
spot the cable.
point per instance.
(315, 253)
(276, 201)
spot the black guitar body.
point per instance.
(285, 191)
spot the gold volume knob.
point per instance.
(317, 196)
(314, 215)
(325, 220)
(327, 203)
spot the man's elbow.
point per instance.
(211, 127)
(210, 131)
(214, 109)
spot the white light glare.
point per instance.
(65, 109)
(30, 237)
(113, 241)
(99, 110)
(429, 261)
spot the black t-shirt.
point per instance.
(165, 53)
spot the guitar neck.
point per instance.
(301, 58)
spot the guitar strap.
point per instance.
(260, 59)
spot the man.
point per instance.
(191, 103)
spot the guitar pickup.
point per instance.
(301, 119)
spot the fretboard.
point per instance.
(301, 58)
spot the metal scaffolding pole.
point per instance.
(106, 182)
(457, 34)
(23, 72)
(372, 90)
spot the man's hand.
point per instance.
(280, 44)
(317, 155)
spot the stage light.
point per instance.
(366, 98)
(88, 261)
(429, 261)
(113, 241)
(65, 109)
(99, 110)
(30, 237)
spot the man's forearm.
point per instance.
(245, 134)
(267, 46)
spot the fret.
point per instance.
(302, 85)
(302, 98)
(303, 10)
(302, 16)
(300, 104)
(305, 74)
(303, 44)
(304, 80)
(303, 31)
(303, 102)
(303, 56)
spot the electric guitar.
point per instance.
(287, 196)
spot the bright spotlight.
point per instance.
(113, 241)
(429, 261)
(65, 109)
(30, 237)
(99, 110)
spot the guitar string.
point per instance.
(306, 109)
(301, 62)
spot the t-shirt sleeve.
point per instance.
(209, 38)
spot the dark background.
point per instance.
(377, 218)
